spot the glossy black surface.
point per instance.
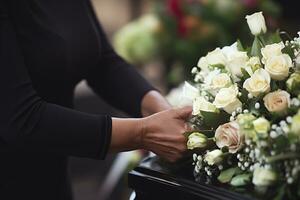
(152, 179)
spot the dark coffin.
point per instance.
(152, 180)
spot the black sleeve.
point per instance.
(115, 80)
(30, 123)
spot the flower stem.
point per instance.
(262, 41)
(282, 157)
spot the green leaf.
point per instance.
(274, 37)
(298, 191)
(282, 142)
(289, 50)
(240, 46)
(256, 47)
(274, 85)
(240, 180)
(293, 138)
(213, 119)
(245, 74)
(226, 175)
(280, 194)
(218, 66)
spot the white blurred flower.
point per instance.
(295, 126)
(136, 42)
(258, 83)
(190, 91)
(264, 177)
(183, 95)
(256, 23)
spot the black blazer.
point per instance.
(46, 48)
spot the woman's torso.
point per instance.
(59, 40)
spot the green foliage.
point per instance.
(272, 38)
(281, 192)
(240, 46)
(240, 180)
(289, 50)
(227, 175)
(213, 120)
(281, 142)
(256, 46)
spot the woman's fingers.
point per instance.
(164, 133)
(183, 113)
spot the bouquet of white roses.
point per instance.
(246, 109)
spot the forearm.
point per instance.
(161, 133)
(154, 102)
(126, 134)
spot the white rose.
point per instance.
(229, 135)
(271, 50)
(263, 177)
(214, 157)
(277, 101)
(203, 64)
(227, 99)
(236, 62)
(230, 50)
(216, 57)
(235, 59)
(261, 125)
(201, 104)
(258, 83)
(256, 23)
(279, 66)
(220, 81)
(215, 80)
(209, 76)
(253, 64)
(196, 140)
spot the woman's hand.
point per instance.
(162, 133)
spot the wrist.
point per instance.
(141, 132)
